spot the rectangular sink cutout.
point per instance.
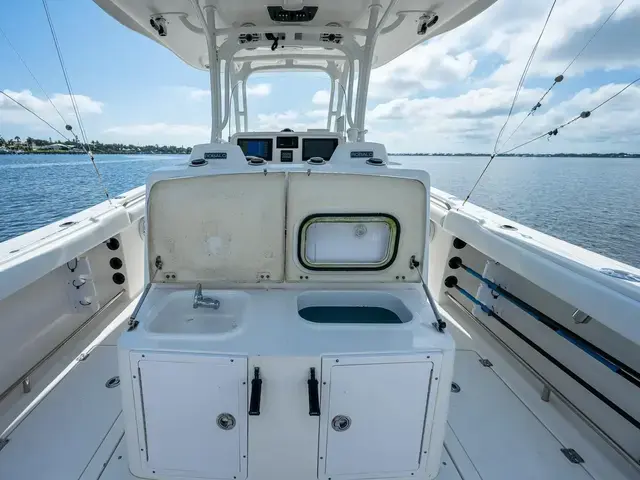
(352, 308)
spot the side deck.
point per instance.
(499, 426)
(77, 432)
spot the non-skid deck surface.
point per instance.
(77, 431)
(493, 435)
(57, 440)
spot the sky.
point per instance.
(450, 94)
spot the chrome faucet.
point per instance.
(206, 302)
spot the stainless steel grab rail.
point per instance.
(549, 386)
(443, 203)
(25, 376)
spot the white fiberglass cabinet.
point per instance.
(286, 338)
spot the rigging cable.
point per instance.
(585, 114)
(593, 36)
(84, 144)
(523, 77)
(34, 114)
(560, 77)
(64, 71)
(32, 75)
(513, 102)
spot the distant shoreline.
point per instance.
(151, 152)
(38, 146)
(582, 155)
(66, 152)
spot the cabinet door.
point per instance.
(375, 421)
(194, 415)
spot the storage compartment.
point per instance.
(191, 415)
(353, 308)
(375, 421)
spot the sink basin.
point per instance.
(176, 315)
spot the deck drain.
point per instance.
(113, 382)
(455, 388)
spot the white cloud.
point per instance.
(320, 113)
(277, 121)
(613, 127)
(511, 32)
(13, 113)
(198, 94)
(164, 128)
(471, 122)
(259, 90)
(274, 122)
(478, 103)
(426, 67)
(321, 97)
(160, 133)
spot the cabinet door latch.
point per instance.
(314, 397)
(256, 391)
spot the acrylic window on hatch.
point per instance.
(348, 241)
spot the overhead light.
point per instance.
(426, 21)
(159, 24)
(249, 37)
(331, 37)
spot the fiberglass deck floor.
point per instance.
(77, 431)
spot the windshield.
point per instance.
(279, 100)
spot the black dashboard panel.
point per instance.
(257, 147)
(286, 156)
(287, 142)
(318, 147)
(279, 14)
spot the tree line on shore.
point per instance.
(38, 145)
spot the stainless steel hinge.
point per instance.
(572, 455)
(133, 324)
(83, 356)
(170, 277)
(485, 362)
(3, 442)
(580, 317)
(263, 276)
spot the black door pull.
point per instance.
(314, 398)
(256, 390)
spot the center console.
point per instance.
(285, 333)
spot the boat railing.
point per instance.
(25, 379)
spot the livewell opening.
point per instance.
(353, 308)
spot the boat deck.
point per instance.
(77, 432)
